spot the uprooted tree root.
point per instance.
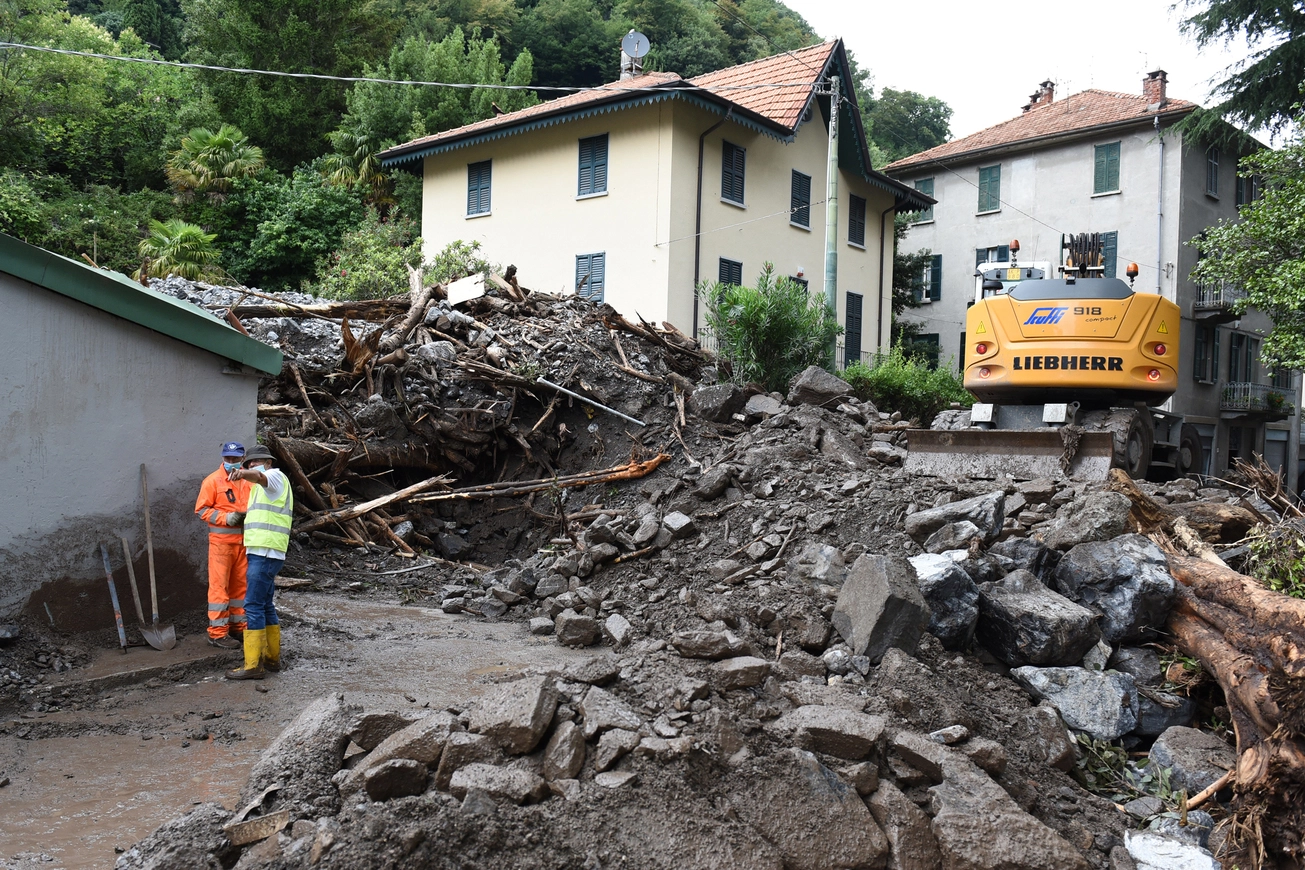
(1252, 640)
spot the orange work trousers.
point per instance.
(226, 587)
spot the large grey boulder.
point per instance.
(1030, 554)
(880, 606)
(815, 386)
(565, 753)
(303, 759)
(952, 597)
(195, 841)
(986, 512)
(1195, 758)
(1154, 851)
(814, 819)
(907, 828)
(602, 711)
(516, 715)
(1023, 622)
(717, 403)
(1142, 663)
(1094, 516)
(832, 730)
(423, 740)
(1162, 711)
(1126, 580)
(1102, 703)
(513, 784)
(707, 644)
(399, 777)
(1044, 737)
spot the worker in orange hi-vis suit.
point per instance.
(221, 504)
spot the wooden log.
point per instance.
(358, 510)
(358, 309)
(296, 472)
(1270, 611)
(421, 297)
(1215, 523)
(367, 454)
(631, 471)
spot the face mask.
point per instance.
(230, 466)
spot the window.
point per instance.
(478, 187)
(1109, 253)
(800, 201)
(593, 165)
(590, 276)
(1212, 172)
(856, 221)
(801, 282)
(731, 272)
(925, 186)
(931, 280)
(928, 347)
(1203, 357)
(1243, 190)
(733, 161)
(1281, 378)
(852, 330)
(989, 188)
(1237, 369)
(1105, 172)
(999, 254)
(1252, 357)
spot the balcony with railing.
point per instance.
(1216, 303)
(1240, 399)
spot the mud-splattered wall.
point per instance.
(85, 398)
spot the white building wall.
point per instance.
(88, 397)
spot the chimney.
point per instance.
(1045, 94)
(1153, 89)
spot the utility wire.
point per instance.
(748, 25)
(366, 79)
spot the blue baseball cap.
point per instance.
(233, 448)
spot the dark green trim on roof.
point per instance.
(117, 294)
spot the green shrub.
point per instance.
(20, 206)
(771, 332)
(1278, 557)
(457, 260)
(175, 247)
(898, 382)
(371, 260)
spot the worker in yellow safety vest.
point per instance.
(267, 536)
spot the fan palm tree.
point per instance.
(209, 162)
(354, 163)
(177, 248)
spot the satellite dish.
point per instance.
(635, 44)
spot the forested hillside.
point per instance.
(272, 181)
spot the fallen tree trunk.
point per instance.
(366, 507)
(1215, 523)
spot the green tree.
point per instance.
(771, 332)
(1262, 90)
(903, 123)
(1264, 251)
(372, 260)
(354, 164)
(288, 117)
(175, 247)
(209, 162)
(685, 38)
(573, 43)
(20, 207)
(387, 114)
(760, 28)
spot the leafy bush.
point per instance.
(898, 382)
(771, 332)
(371, 260)
(20, 206)
(1278, 557)
(457, 260)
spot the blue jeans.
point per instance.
(259, 608)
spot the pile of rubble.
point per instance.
(815, 661)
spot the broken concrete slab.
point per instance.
(812, 818)
(880, 607)
(602, 711)
(516, 715)
(986, 512)
(565, 753)
(398, 777)
(907, 827)
(512, 784)
(1022, 622)
(1101, 703)
(741, 672)
(832, 730)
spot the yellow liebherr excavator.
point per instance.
(1068, 372)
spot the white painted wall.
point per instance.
(88, 397)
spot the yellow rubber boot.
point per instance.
(272, 648)
(253, 669)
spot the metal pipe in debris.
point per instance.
(564, 391)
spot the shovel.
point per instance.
(159, 637)
(113, 595)
(151, 636)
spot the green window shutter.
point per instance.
(925, 186)
(1201, 354)
(731, 272)
(1109, 253)
(1214, 356)
(732, 170)
(852, 330)
(856, 221)
(935, 278)
(1105, 168)
(593, 165)
(800, 200)
(990, 188)
(478, 184)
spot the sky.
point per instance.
(985, 59)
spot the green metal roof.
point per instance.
(119, 295)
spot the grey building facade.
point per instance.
(100, 375)
(1111, 163)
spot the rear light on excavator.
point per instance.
(1153, 375)
(980, 348)
(1160, 350)
(985, 372)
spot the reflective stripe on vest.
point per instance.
(267, 522)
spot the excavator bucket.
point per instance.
(991, 453)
